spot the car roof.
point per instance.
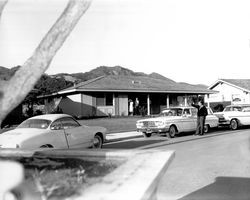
(51, 117)
(240, 105)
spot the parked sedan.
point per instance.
(53, 131)
(174, 121)
(234, 116)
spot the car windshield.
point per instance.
(172, 112)
(35, 123)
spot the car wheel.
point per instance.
(234, 124)
(172, 131)
(206, 128)
(46, 146)
(147, 135)
(97, 142)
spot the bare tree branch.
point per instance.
(25, 78)
(2, 5)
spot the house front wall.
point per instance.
(122, 105)
(229, 93)
(88, 105)
(116, 104)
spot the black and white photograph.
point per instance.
(124, 100)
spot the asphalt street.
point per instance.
(212, 168)
(216, 166)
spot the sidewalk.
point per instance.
(112, 137)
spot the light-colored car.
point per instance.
(53, 131)
(234, 116)
(174, 121)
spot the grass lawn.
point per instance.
(116, 124)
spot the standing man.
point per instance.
(136, 106)
(201, 117)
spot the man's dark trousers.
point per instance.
(200, 125)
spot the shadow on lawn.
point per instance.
(224, 188)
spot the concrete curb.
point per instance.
(170, 141)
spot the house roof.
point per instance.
(118, 83)
(243, 84)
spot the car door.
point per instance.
(245, 118)
(194, 118)
(188, 120)
(57, 136)
(78, 136)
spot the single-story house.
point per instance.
(113, 94)
(230, 91)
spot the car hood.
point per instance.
(225, 113)
(169, 118)
(19, 135)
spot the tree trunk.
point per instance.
(2, 5)
(26, 77)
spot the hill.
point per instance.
(105, 71)
(6, 74)
(53, 83)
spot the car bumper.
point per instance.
(153, 130)
(224, 123)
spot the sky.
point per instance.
(194, 41)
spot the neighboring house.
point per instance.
(230, 91)
(111, 95)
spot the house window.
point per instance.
(109, 99)
(104, 99)
(136, 82)
(100, 100)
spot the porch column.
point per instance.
(148, 104)
(208, 101)
(46, 105)
(167, 101)
(185, 100)
(114, 106)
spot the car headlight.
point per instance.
(139, 124)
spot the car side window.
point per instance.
(68, 122)
(246, 109)
(187, 112)
(236, 108)
(227, 109)
(194, 111)
(56, 125)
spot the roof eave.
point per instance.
(148, 91)
(223, 81)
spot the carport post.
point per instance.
(167, 101)
(148, 104)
